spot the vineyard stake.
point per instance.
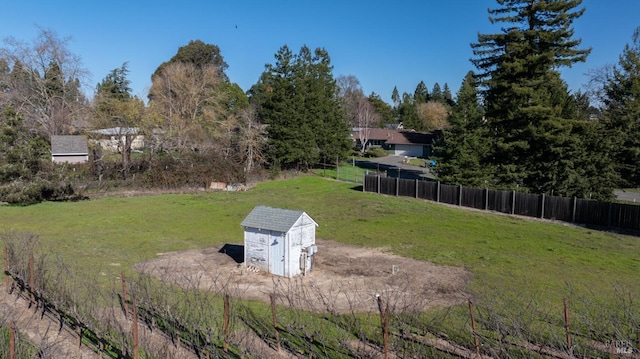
(473, 328)
(135, 330)
(384, 325)
(566, 323)
(32, 279)
(12, 340)
(272, 296)
(124, 295)
(6, 270)
(226, 322)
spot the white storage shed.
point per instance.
(279, 241)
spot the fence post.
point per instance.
(573, 209)
(6, 270)
(476, 343)
(438, 192)
(135, 329)
(397, 185)
(566, 323)
(417, 186)
(513, 201)
(542, 207)
(124, 295)
(225, 328)
(460, 195)
(486, 199)
(12, 340)
(378, 187)
(32, 279)
(384, 324)
(272, 296)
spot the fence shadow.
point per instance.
(235, 251)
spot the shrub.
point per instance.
(377, 152)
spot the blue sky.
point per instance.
(383, 43)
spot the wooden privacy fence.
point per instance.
(573, 210)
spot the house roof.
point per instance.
(400, 137)
(68, 145)
(273, 219)
(117, 131)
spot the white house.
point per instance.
(110, 139)
(279, 241)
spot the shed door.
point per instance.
(276, 254)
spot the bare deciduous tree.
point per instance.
(185, 105)
(366, 118)
(433, 115)
(252, 139)
(44, 84)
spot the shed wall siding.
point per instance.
(256, 249)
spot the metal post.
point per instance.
(460, 195)
(417, 186)
(438, 192)
(513, 202)
(542, 207)
(486, 199)
(573, 210)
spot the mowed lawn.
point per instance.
(107, 235)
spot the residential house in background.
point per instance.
(71, 149)
(398, 142)
(110, 139)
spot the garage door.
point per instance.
(408, 150)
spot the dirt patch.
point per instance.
(344, 278)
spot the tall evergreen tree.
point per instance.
(408, 113)
(387, 115)
(622, 112)
(297, 99)
(436, 93)
(525, 97)
(463, 149)
(421, 94)
(395, 96)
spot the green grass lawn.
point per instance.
(521, 268)
(500, 251)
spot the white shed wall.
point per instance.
(256, 248)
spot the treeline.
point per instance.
(513, 124)
(516, 125)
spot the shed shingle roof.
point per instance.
(69, 145)
(273, 219)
